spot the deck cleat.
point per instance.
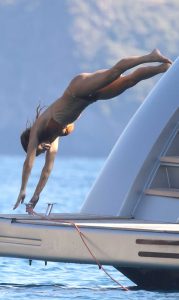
(49, 208)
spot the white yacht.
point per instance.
(130, 217)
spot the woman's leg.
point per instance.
(128, 63)
(125, 82)
(89, 83)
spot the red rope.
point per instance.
(83, 237)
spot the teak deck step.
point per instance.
(169, 159)
(174, 193)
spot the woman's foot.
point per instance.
(156, 56)
(164, 67)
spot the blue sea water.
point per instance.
(68, 186)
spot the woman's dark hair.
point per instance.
(25, 138)
(26, 134)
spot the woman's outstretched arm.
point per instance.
(27, 167)
(49, 161)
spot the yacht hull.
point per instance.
(143, 251)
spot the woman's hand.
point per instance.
(29, 209)
(20, 199)
(32, 203)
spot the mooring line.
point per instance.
(83, 237)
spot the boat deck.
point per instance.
(92, 221)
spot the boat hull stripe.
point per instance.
(157, 242)
(158, 254)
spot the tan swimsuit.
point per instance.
(68, 109)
